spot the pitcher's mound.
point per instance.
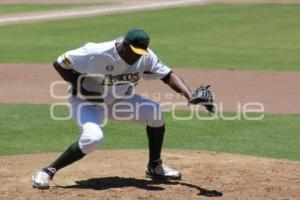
(120, 174)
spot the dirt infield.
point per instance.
(27, 83)
(101, 175)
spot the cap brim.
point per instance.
(139, 51)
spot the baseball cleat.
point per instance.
(162, 171)
(41, 178)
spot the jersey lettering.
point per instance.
(120, 78)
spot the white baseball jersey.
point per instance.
(107, 72)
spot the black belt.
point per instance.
(73, 92)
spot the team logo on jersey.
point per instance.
(109, 68)
(120, 78)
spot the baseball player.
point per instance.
(102, 78)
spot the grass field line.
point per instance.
(62, 14)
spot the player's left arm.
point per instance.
(201, 96)
(177, 84)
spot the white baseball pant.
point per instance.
(89, 116)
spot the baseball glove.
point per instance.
(204, 97)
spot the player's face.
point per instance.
(129, 56)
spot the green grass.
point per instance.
(22, 8)
(29, 129)
(227, 36)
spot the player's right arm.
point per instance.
(74, 63)
(68, 75)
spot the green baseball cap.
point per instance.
(139, 41)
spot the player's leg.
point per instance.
(144, 111)
(88, 118)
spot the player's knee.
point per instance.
(156, 116)
(91, 137)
